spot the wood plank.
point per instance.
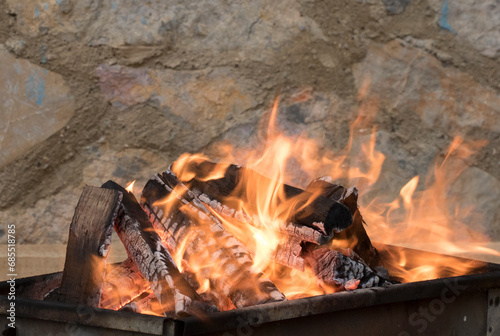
(88, 246)
(154, 262)
(229, 264)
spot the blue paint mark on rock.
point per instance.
(40, 90)
(46, 6)
(37, 11)
(443, 19)
(59, 2)
(114, 6)
(143, 20)
(30, 84)
(44, 57)
(35, 87)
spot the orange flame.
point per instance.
(417, 216)
(421, 216)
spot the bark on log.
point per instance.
(88, 246)
(322, 214)
(154, 262)
(355, 234)
(333, 268)
(123, 283)
(228, 263)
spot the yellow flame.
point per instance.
(130, 187)
(423, 215)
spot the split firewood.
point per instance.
(122, 284)
(147, 303)
(355, 235)
(88, 246)
(289, 253)
(227, 263)
(333, 268)
(154, 262)
(213, 295)
(226, 192)
(178, 232)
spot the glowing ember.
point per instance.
(418, 216)
(261, 208)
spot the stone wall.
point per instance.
(94, 90)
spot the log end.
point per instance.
(339, 218)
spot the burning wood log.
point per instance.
(290, 253)
(333, 268)
(154, 262)
(146, 303)
(88, 246)
(122, 284)
(213, 295)
(313, 218)
(355, 234)
(229, 263)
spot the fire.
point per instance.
(421, 215)
(424, 219)
(417, 216)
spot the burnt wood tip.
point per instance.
(322, 213)
(339, 216)
(128, 200)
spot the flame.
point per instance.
(425, 220)
(130, 187)
(124, 286)
(421, 215)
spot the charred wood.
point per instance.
(224, 255)
(289, 253)
(154, 262)
(39, 287)
(355, 235)
(147, 303)
(333, 268)
(322, 214)
(122, 284)
(211, 294)
(304, 233)
(88, 246)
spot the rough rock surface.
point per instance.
(154, 79)
(35, 104)
(476, 23)
(409, 79)
(477, 194)
(484, 33)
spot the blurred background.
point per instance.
(94, 90)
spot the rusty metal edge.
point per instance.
(126, 321)
(330, 303)
(493, 326)
(90, 316)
